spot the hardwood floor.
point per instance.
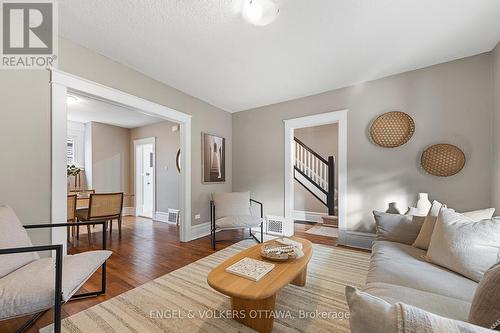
(147, 250)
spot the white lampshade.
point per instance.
(260, 12)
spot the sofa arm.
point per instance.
(412, 319)
(369, 313)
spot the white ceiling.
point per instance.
(206, 49)
(88, 109)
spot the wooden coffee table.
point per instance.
(253, 302)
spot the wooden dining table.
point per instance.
(83, 199)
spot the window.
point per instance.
(71, 151)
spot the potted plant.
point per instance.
(73, 170)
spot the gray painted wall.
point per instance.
(495, 193)
(449, 102)
(110, 158)
(25, 146)
(167, 176)
(324, 140)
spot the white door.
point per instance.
(145, 180)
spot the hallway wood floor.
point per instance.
(146, 251)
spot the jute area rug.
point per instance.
(182, 301)
(323, 231)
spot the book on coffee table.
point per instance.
(249, 268)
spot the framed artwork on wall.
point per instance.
(213, 159)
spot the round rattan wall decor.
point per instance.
(392, 129)
(443, 160)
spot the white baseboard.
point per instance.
(128, 211)
(308, 216)
(162, 217)
(362, 240)
(199, 230)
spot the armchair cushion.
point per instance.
(12, 235)
(238, 221)
(30, 289)
(231, 204)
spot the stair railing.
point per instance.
(319, 171)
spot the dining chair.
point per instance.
(75, 191)
(102, 206)
(71, 213)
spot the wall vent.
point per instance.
(173, 216)
(275, 225)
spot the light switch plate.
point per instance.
(197, 216)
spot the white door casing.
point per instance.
(339, 117)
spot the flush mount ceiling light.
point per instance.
(70, 99)
(260, 12)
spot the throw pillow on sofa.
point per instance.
(485, 308)
(424, 237)
(397, 228)
(463, 245)
(369, 313)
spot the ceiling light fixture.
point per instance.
(71, 100)
(260, 12)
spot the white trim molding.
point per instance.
(339, 117)
(308, 216)
(128, 211)
(162, 217)
(200, 230)
(61, 84)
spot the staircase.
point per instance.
(317, 175)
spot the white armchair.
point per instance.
(30, 285)
(233, 211)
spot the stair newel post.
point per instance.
(331, 185)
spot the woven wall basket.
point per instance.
(392, 129)
(443, 160)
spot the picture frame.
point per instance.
(213, 159)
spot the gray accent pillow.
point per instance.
(485, 308)
(397, 228)
(369, 313)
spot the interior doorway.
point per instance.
(145, 180)
(316, 179)
(329, 173)
(63, 84)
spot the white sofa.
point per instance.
(400, 273)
